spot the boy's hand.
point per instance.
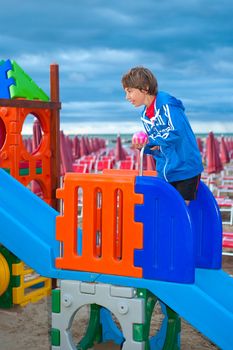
(139, 139)
(155, 148)
(138, 145)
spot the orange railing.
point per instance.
(109, 232)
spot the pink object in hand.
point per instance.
(139, 137)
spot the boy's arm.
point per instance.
(153, 150)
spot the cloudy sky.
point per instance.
(188, 44)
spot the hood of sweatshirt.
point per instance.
(164, 98)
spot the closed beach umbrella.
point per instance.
(83, 147)
(29, 145)
(96, 145)
(120, 153)
(88, 145)
(224, 154)
(150, 163)
(76, 147)
(200, 144)
(66, 154)
(214, 164)
(37, 135)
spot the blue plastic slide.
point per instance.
(28, 228)
(27, 225)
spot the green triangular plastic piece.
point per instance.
(24, 86)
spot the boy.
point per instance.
(170, 138)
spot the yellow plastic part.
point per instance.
(4, 274)
(25, 293)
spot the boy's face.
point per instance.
(135, 96)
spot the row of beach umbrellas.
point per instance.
(73, 148)
(216, 152)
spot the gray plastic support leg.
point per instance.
(121, 301)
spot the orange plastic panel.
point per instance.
(112, 252)
(13, 153)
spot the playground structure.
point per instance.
(137, 244)
(20, 97)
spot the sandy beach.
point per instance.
(29, 327)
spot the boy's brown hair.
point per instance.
(140, 78)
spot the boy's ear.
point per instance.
(145, 90)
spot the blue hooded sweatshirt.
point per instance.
(178, 157)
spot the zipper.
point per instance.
(148, 129)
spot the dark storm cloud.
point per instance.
(187, 44)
